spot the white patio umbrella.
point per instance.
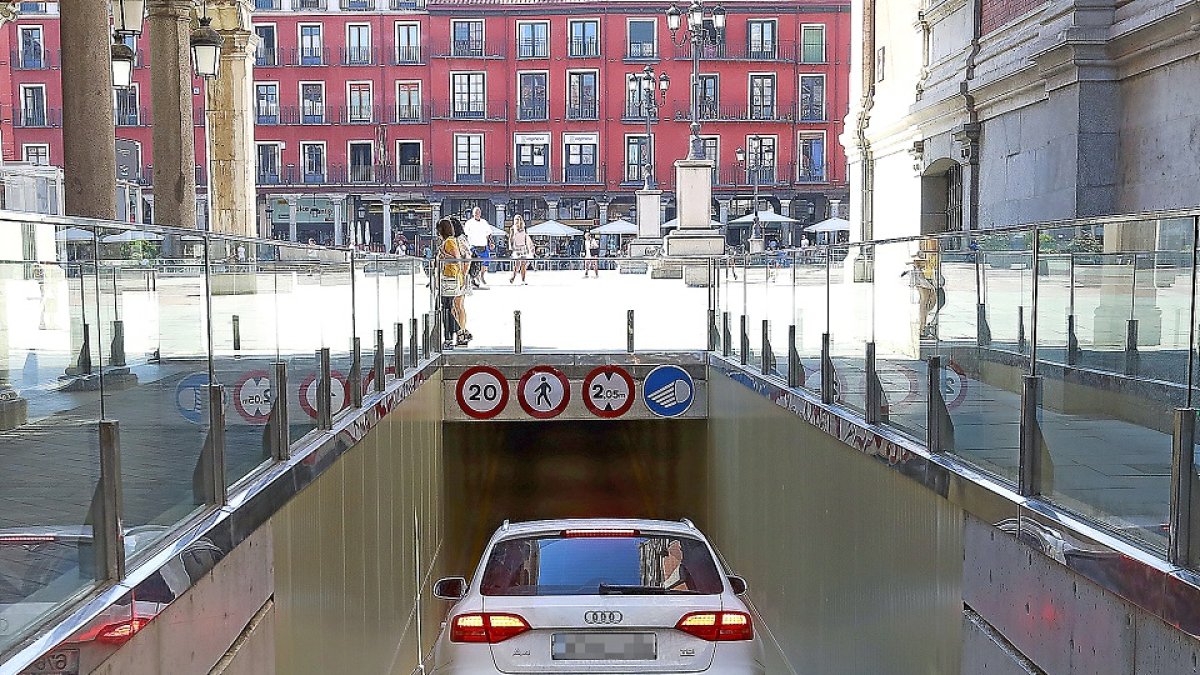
(131, 235)
(74, 234)
(830, 225)
(617, 227)
(553, 228)
(674, 222)
(765, 216)
(497, 232)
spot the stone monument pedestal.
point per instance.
(694, 237)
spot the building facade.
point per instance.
(374, 117)
(978, 114)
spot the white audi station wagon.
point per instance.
(597, 596)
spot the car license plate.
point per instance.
(604, 646)
(58, 662)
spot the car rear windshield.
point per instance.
(641, 564)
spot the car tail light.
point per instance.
(717, 626)
(484, 627)
(120, 632)
(585, 534)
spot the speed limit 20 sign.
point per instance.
(482, 392)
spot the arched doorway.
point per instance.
(941, 197)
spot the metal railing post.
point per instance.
(744, 344)
(237, 333)
(766, 348)
(438, 340)
(1033, 448)
(629, 334)
(214, 473)
(714, 335)
(1183, 477)
(425, 335)
(398, 350)
(380, 367)
(107, 531)
(517, 345)
(324, 390)
(937, 416)
(795, 368)
(874, 388)
(356, 377)
(1132, 356)
(727, 334)
(413, 354)
(283, 430)
(117, 351)
(828, 393)
(1072, 341)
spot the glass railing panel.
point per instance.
(1005, 262)
(851, 321)
(1114, 373)
(760, 276)
(781, 312)
(733, 290)
(391, 286)
(367, 311)
(298, 283)
(810, 307)
(154, 344)
(246, 325)
(906, 314)
(336, 298)
(50, 407)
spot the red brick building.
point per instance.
(392, 112)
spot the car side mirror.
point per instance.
(450, 588)
(738, 585)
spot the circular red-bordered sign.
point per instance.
(544, 392)
(254, 396)
(482, 392)
(609, 391)
(339, 395)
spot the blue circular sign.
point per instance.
(668, 391)
(189, 396)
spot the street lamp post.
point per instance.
(699, 37)
(754, 165)
(652, 88)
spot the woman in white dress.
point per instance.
(522, 249)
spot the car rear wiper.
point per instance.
(619, 589)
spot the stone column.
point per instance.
(435, 213)
(387, 223)
(171, 97)
(603, 211)
(338, 209)
(785, 210)
(89, 151)
(723, 211)
(501, 214)
(229, 111)
(293, 216)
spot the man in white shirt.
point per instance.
(479, 233)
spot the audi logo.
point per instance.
(603, 618)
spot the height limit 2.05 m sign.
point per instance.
(608, 392)
(482, 392)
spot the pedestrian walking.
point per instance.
(591, 254)
(479, 233)
(522, 249)
(451, 282)
(460, 301)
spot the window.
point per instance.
(533, 157)
(533, 40)
(312, 157)
(467, 38)
(581, 158)
(358, 44)
(266, 103)
(812, 98)
(637, 154)
(36, 153)
(33, 105)
(582, 99)
(408, 101)
(812, 48)
(312, 103)
(585, 38)
(712, 147)
(635, 98)
(763, 42)
(126, 110)
(470, 100)
(312, 49)
(762, 97)
(760, 160)
(709, 97)
(812, 157)
(362, 161)
(408, 161)
(533, 103)
(32, 52)
(268, 46)
(556, 565)
(468, 158)
(642, 41)
(408, 43)
(268, 163)
(361, 110)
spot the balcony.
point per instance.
(409, 5)
(131, 116)
(266, 4)
(584, 48)
(811, 112)
(737, 175)
(724, 112)
(357, 114)
(34, 7)
(308, 56)
(266, 58)
(778, 52)
(538, 48)
(146, 177)
(38, 118)
(587, 111)
(490, 111)
(357, 5)
(341, 175)
(410, 113)
(452, 175)
(306, 114)
(34, 59)
(408, 54)
(470, 49)
(533, 111)
(641, 51)
(636, 112)
(359, 56)
(580, 174)
(308, 4)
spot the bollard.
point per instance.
(765, 366)
(726, 343)
(118, 344)
(425, 335)
(517, 331)
(795, 368)
(412, 342)
(398, 351)
(744, 356)
(629, 331)
(356, 377)
(714, 335)
(380, 368)
(279, 401)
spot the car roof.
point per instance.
(534, 527)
